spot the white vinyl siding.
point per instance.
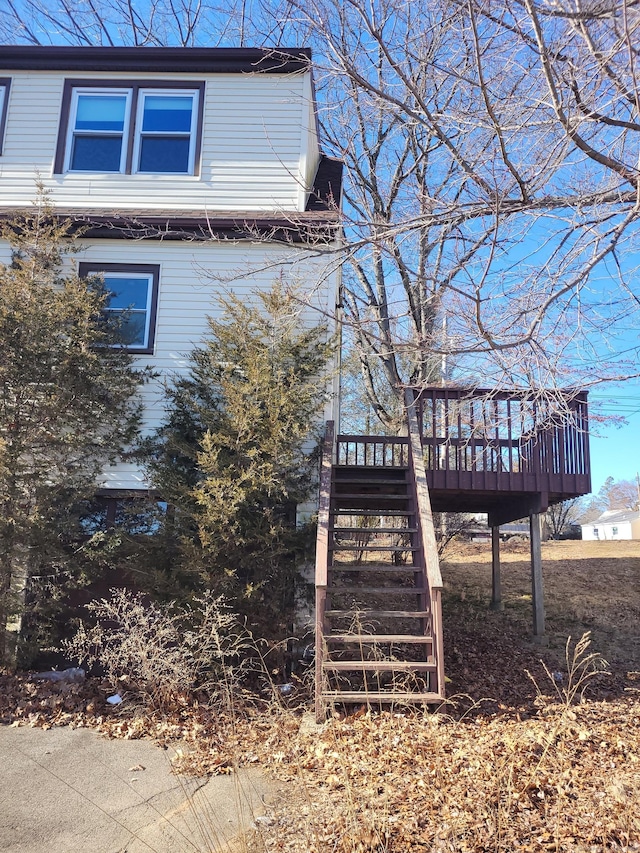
(190, 277)
(252, 152)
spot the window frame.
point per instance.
(137, 90)
(139, 133)
(152, 272)
(72, 132)
(5, 87)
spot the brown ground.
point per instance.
(506, 766)
(589, 586)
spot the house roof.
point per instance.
(615, 516)
(201, 60)
(316, 227)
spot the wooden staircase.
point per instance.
(378, 609)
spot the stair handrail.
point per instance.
(424, 519)
(322, 543)
(425, 516)
(322, 559)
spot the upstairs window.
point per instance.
(133, 297)
(5, 83)
(98, 131)
(164, 142)
(130, 127)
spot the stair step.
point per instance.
(379, 666)
(351, 697)
(374, 567)
(373, 513)
(359, 468)
(344, 466)
(378, 590)
(333, 546)
(361, 531)
(380, 614)
(370, 481)
(379, 496)
(379, 638)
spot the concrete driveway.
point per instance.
(73, 791)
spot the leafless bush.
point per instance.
(160, 653)
(582, 666)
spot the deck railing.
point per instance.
(504, 441)
(378, 451)
(488, 441)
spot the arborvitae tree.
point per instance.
(236, 454)
(67, 407)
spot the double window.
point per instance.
(5, 83)
(133, 297)
(130, 128)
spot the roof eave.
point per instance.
(201, 60)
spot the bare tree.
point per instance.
(618, 494)
(498, 227)
(560, 517)
(141, 23)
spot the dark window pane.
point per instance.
(164, 154)
(96, 154)
(139, 517)
(101, 112)
(127, 292)
(131, 329)
(94, 518)
(167, 113)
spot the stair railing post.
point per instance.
(537, 587)
(496, 583)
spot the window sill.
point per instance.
(137, 177)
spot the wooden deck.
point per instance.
(378, 582)
(502, 453)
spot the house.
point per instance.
(613, 524)
(190, 170)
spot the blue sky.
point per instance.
(615, 450)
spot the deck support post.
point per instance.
(537, 589)
(496, 583)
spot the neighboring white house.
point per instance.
(193, 169)
(613, 524)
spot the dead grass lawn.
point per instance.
(589, 586)
(503, 767)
